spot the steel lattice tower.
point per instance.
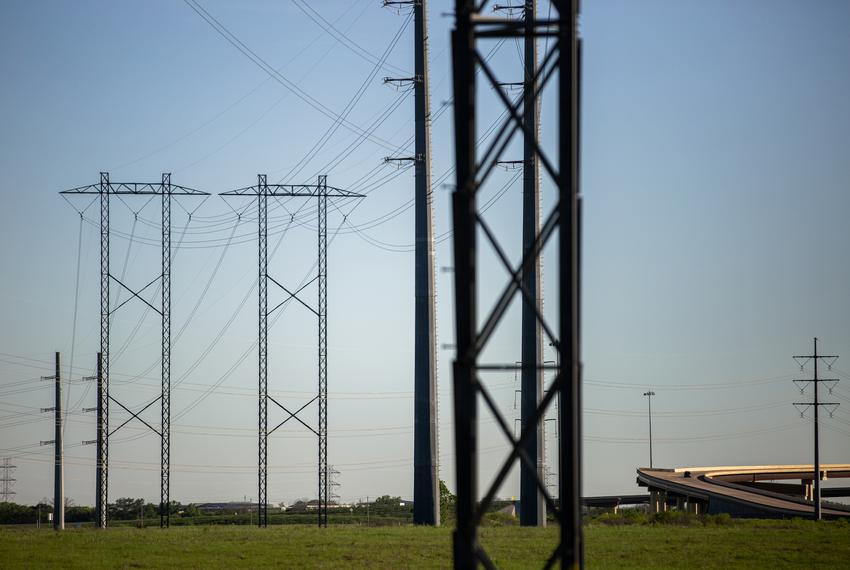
(167, 191)
(561, 61)
(7, 480)
(321, 191)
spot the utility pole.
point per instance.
(649, 394)
(58, 471)
(59, 468)
(426, 483)
(7, 480)
(532, 506)
(816, 404)
(100, 499)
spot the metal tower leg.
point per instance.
(263, 344)
(165, 440)
(465, 541)
(323, 349)
(569, 472)
(102, 480)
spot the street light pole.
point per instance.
(649, 394)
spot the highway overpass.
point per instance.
(745, 491)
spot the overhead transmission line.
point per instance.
(232, 39)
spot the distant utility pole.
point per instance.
(58, 471)
(101, 500)
(801, 360)
(649, 394)
(426, 483)
(7, 480)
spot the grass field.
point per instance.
(736, 544)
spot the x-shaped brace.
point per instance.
(135, 294)
(135, 415)
(293, 296)
(293, 415)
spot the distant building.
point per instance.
(240, 507)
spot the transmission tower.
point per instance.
(321, 191)
(561, 61)
(7, 481)
(426, 478)
(816, 404)
(167, 191)
(333, 483)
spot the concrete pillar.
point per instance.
(808, 491)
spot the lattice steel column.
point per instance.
(263, 344)
(165, 426)
(322, 310)
(102, 481)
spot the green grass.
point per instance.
(715, 544)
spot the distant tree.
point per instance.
(79, 514)
(386, 500)
(13, 513)
(125, 509)
(447, 502)
(191, 510)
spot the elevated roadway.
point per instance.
(740, 490)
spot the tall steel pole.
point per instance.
(58, 451)
(100, 506)
(816, 497)
(532, 506)
(426, 504)
(649, 394)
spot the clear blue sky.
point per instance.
(716, 164)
